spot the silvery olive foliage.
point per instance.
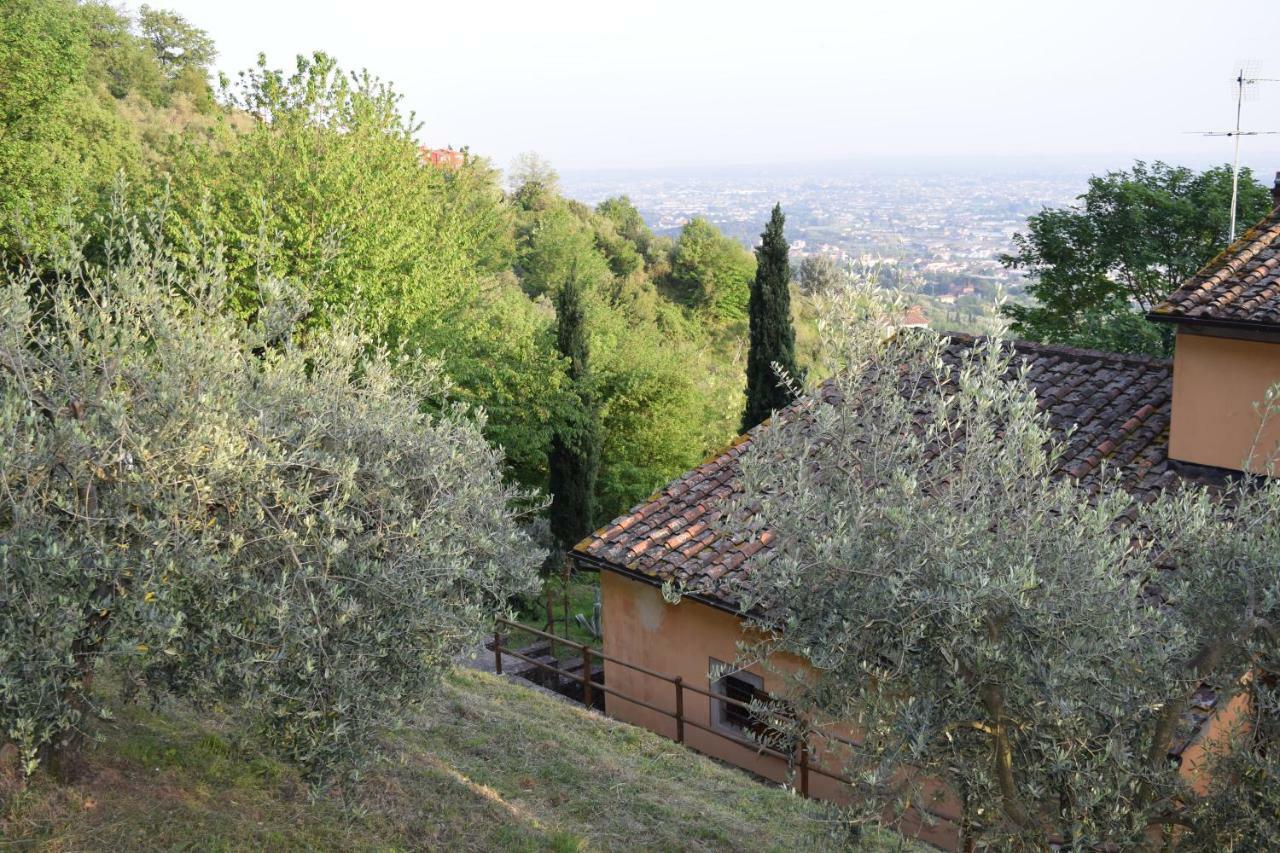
(246, 514)
(1226, 591)
(1242, 808)
(999, 641)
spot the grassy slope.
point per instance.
(496, 766)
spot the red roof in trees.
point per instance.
(441, 158)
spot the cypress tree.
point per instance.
(773, 340)
(575, 441)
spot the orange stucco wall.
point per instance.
(1228, 723)
(1216, 382)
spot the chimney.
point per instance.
(1275, 193)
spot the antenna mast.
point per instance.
(1235, 162)
(1244, 78)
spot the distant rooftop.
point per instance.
(442, 158)
(914, 318)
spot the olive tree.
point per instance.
(820, 274)
(996, 637)
(1226, 592)
(242, 513)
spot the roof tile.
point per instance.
(1239, 286)
(1117, 408)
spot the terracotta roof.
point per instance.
(1119, 406)
(914, 316)
(1239, 287)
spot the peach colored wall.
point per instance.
(642, 628)
(1216, 381)
(1217, 733)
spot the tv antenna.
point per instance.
(1243, 87)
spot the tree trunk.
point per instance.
(1002, 755)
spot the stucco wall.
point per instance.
(641, 627)
(1228, 723)
(1216, 382)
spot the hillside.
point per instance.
(496, 766)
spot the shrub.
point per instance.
(244, 513)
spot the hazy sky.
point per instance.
(662, 83)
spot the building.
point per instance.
(914, 318)
(442, 158)
(1227, 350)
(1157, 421)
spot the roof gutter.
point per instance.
(1242, 325)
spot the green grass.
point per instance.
(494, 766)
(583, 587)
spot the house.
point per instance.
(1227, 350)
(914, 318)
(441, 158)
(1156, 421)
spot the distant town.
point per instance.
(942, 232)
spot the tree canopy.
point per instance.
(231, 511)
(820, 274)
(313, 173)
(712, 271)
(1134, 236)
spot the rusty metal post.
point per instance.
(586, 676)
(679, 709)
(568, 564)
(497, 651)
(804, 764)
(550, 627)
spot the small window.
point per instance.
(742, 687)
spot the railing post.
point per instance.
(804, 764)
(568, 568)
(679, 682)
(497, 651)
(586, 675)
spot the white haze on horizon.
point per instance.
(663, 85)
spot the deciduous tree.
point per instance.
(59, 143)
(1096, 267)
(712, 271)
(176, 44)
(328, 188)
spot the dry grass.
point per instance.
(496, 766)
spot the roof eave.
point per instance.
(593, 562)
(1217, 322)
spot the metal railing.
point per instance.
(800, 756)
